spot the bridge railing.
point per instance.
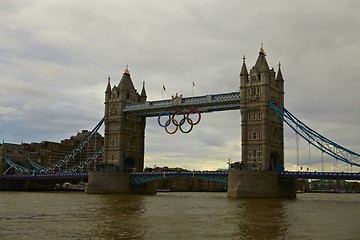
(320, 175)
(138, 178)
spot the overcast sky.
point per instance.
(56, 56)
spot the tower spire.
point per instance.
(262, 51)
(279, 76)
(126, 70)
(261, 63)
(108, 88)
(244, 71)
(143, 92)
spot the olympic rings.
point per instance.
(179, 124)
(167, 122)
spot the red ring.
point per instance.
(193, 111)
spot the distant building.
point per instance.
(46, 152)
(186, 184)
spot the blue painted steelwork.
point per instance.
(321, 175)
(138, 178)
(16, 167)
(38, 169)
(207, 103)
(36, 166)
(322, 143)
(40, 176)
(74, 152)
(57, 166)
(83, 164)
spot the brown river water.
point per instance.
(76, 215)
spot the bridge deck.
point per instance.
(321, 175)
(220, 176)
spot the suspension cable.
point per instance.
(297, 150)
(322, 143)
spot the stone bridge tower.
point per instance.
(124, 132)
(262, 130)
(124, 140)
(262, 140)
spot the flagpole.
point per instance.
(162, 92)
(192, 89)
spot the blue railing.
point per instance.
(138, 178)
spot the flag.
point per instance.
(193, 84)
(164, 88)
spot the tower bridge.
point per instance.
(261, 172)
(262, 131)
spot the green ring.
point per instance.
(182, 121)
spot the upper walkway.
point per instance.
(207, 103)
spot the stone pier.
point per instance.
(116, 182)
(259, 184)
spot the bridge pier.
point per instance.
(259, 184)
(108, 182)
(116, 182)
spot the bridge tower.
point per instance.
(124, 132)
(262, 140)
(262, 130)
(124, 139)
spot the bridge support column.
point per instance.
(116, 182)
(108, 182)
(259, 184)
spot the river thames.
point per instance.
(76, 215)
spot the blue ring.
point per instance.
(167, 122)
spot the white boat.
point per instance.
(71, 187)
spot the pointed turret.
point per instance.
(244, 71)
(108, 88)
(280, 84)
(108, 91)
(261, 64)
(279, 76)
(126, 82)
(143, 93)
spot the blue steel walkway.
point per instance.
(321, 175)
(138, 178)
